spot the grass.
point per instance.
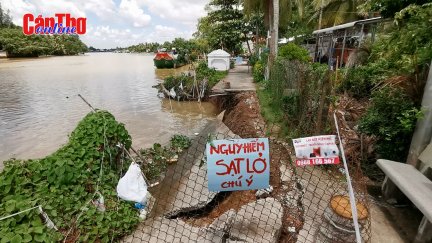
(216, 77)
(270, 112)
(274, 115)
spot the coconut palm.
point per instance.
(333, 12)
(285, 9)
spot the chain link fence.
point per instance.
(303, 204)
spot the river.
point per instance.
(39, 105)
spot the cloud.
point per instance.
(162, 33)
(104, 9)
(104, 36)
(113, 23)
(187, 11)
(132, 11)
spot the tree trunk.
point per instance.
(273, 6)
(271, 45)
(276, 25)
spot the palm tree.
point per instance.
(334, 12)
(266, 7)
(271, 9)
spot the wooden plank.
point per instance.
(416, 186)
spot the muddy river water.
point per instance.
(39, 105)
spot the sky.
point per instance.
(112, 23)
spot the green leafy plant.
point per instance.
(292, 51)
(180, 142)
(391, 119)
(158, 157)
(213, 76)
(408, 44)
(359, 81)
(258, 71)
(64, 182)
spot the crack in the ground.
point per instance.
(198, 212)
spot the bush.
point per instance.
(158, 157)
(175, 81)
(292, 51)
(213, 76)
(258, 71)
(253, 59)
(63, 182)
(359, 81)
(290, 103)
(408, 45)
(391, 119)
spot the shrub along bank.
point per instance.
(67, 183)
(63, 183)
(186, 87)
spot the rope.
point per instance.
(10, 216)
(48, 221)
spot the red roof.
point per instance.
(163, 55)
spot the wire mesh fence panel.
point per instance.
(302, 204)
(307, 103)
(184, 210)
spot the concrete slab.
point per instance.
(240, 79)
(260, 221)
(382, 229)
(416, 186)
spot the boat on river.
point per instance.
(164, 59)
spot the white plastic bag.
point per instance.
(132, 187)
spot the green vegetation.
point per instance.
(16, 44)
(407, 47)
(391, 118)
(63, 183)
(180, 142)
(5, 19)
(292, 51)
(359, 81)
(211, 76)
(258, 71)
(187, 50)
(67, 182)
(289, 96)
(158, 157)
(224, 26)
(388, 8)
(144, 47)
(391, 77)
